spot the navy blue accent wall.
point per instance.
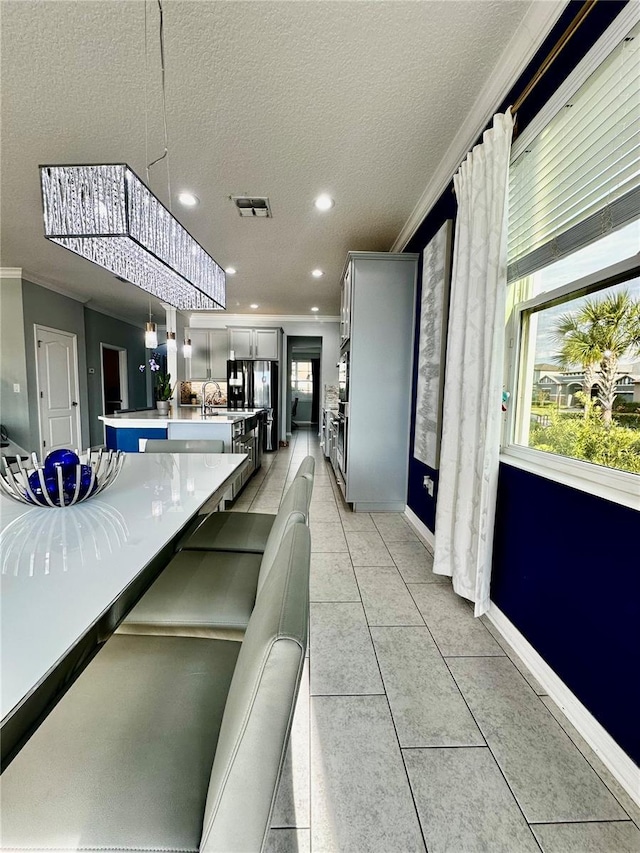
(565, 573)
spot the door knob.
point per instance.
(74, 403)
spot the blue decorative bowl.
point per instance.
(63, 479)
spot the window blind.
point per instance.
(580, 177)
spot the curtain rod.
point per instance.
(553, 54)
(555, 51)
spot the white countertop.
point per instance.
(61, 569)
(151, 418)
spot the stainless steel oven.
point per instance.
(343, 377)
(341, 449)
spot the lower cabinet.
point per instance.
(129, 439)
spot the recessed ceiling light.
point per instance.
(315, 309)
(324, 202)
(231, 270)
(188, 199)
(253, 305)
(316, 273)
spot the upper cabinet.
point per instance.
(212, 347)
(345, 305)
(262, 344)
(209, 354)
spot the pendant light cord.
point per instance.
(165, 154)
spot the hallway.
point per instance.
(417, 726)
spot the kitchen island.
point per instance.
(125, 431)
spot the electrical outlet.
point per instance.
(16, 387)
(427, 482)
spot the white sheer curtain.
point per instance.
(471, 417)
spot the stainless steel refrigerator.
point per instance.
(254, 385)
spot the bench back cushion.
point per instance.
(307, 468)
(184, 445)
(257, 717)
(293, 509)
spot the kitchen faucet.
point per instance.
(217, 392)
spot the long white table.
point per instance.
(63, 570)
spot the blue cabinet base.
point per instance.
(127, 439)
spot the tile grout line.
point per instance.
(344, 532)
(577, 822)
(473, 717)
(497, 763)
(393, 723)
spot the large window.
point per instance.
(574, 281)
(579, 372)
(301, 377)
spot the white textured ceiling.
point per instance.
(286, 99)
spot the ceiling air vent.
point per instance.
(252, 206)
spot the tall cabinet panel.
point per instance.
(380, 326)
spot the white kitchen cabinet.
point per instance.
(241, 343)
(267, 343)
(209, 354)
(373, 428)
(262, 344)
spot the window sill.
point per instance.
(617, 486)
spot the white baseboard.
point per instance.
(616, 760)
(421, 529)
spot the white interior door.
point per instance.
(58, 391)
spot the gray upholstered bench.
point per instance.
(169, 743)
(212, 594)
(239, 531)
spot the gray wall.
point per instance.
(100, 328)
(14, 408)
(58, 312)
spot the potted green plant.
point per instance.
(163, 389)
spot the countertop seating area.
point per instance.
(208, 593)
(239, 531)
(172, 742)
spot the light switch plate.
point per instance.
(16, 387)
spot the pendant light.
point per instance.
(151, 336)
(186, 349)
(172, 345)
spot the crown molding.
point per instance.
(114, 316)
(214, 319)
(533, 29)
(51, 285)
(10, 272)
(86, 301)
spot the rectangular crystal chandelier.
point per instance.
(108, 216)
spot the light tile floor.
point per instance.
(418, 727)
